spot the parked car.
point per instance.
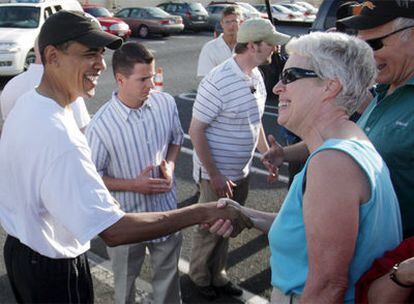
(280, 13)
(20, 24)
(194, 15)
(145, 21)
(307, 5)
(108, 22)
(307, 15)
(326, 16)
(250, 11)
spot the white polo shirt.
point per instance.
(24, 82)
(212, 54)
(51, 197)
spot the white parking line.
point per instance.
(191, 97)
(101, 269)
(188, 96)
(282, 178)
(272, 107)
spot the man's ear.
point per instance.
(251, 46)
(51, 55)
(120, 79)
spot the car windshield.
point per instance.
(19, 16)
(98, 11)
(157, 12)
(197, 7)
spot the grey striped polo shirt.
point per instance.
(232, 103)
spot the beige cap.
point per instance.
(258, 29)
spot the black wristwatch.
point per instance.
(393, 277)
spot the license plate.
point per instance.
(5, 63)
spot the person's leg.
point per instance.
(218, 269)
(39, 279)
(9, 253)
(126, 265)
(203, 244)
(164, 261)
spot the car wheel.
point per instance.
(30, 58)
(143, 31)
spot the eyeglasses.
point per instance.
(377, 43)
(229, 22)
(292, 74)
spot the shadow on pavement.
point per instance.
(6, 294)
(190, 295)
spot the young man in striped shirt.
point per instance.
(225, 130)
(135, 139)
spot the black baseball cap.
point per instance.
(78, 26)
(370, 14)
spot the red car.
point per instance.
(109, 23)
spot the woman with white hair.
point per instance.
(341, 211)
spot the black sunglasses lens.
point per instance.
(375, 44)
(288, 76)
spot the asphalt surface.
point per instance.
(248, 264)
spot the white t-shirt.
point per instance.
(212, 54)
(51, 197)
(24, 82)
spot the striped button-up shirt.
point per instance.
(125, 141)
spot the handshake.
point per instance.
(226, 218)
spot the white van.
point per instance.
(20, 23)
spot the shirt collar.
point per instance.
(382, 88)
(125, 111)
(224, 44)
(251, 80)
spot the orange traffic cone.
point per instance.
(159, 80)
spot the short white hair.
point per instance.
(339, 56)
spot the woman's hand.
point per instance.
(225, 228)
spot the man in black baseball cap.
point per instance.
(77, 26)
(52, 199)
(370, 14)
(388, 27)
(76, 41)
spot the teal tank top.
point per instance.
(379, 222)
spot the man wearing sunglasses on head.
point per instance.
(388, 27)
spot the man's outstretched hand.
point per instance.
(231, 226)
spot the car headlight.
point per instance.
(9, 47)
(104, 28)
(119, 27)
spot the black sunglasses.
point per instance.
(377, 43)
(292, 74)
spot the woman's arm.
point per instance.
(335, 188)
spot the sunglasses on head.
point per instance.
(377, 43)
(292, 74)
